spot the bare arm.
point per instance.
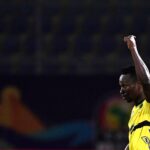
(142, 71)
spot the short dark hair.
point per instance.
(129, 70)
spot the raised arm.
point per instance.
(142, 71)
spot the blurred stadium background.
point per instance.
(65, 57)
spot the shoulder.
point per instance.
(146, 104)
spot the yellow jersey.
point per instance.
(139, 127)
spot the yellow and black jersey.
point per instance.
(139, 127)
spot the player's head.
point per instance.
(130, 88)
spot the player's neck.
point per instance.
(139, 100)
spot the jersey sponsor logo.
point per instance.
(146, 140)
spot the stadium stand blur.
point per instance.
(70, 36)
(39, 37)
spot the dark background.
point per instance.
(65, 56)
(57, 99)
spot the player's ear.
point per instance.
(138, 83)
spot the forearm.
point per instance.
(142, 71)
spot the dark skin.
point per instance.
(130, 89)
(142, 71)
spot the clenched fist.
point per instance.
(130, 40)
